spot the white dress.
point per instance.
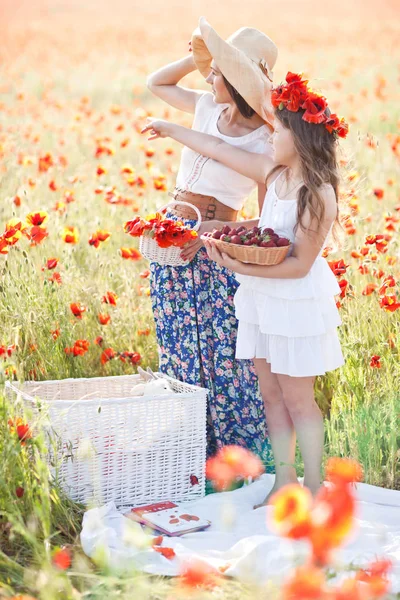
(202, 175)
(292, 323)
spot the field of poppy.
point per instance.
(74, 289)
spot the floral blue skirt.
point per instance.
(196, 331)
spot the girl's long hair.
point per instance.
(316, 148)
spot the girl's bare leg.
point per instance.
(298, 395)
(280, 427)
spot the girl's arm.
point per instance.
(250, 164)
(307, 246)
(164, 84)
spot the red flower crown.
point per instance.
(295, 95)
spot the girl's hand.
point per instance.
(223, 260)
(158, 128)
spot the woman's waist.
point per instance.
(208, 206)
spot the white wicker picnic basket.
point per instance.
(166, 256)
(106, 445)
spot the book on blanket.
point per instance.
(167, 518)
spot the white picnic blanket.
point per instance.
(239, 536)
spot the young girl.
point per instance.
(287, 312)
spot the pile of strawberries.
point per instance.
(257, 236)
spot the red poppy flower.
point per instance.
(104, 318)
(45, 162)
(332, 123)
(130, 253)
(62, 558)
(231, 463)
(388, 282)
(70, 235)
(315, 107)
(79, 348)
(375, 362)
(197, 574)
(133, 357)
(389, 303)
(369, 289)
(99, 236)
(343, 128)
(37, 219)
(343, 471)
(55, 278)
(306, 583)
(51, 263)
(77, 309)
(108, 354)
(24, 432)
(37, 234)
(375, 578)
(110, 298)
(338, 267)
(343, 283)
(379, 193)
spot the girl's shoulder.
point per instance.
(327, 192)
(273, 175)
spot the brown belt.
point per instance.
(209, 207)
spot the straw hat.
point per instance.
(239, 59)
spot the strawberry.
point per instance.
(236, 239)
(217, 234)
(282, 242)
(270, 244)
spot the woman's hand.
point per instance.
(158, 128)
(190, 249)
(223, 260)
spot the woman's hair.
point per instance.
(244, 109)
(316, 148)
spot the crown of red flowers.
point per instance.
(295, 95)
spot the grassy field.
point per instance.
(72, 102)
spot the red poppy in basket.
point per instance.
(170, 233)
(165, 232)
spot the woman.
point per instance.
(193, 305)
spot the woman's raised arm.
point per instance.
(164, 84)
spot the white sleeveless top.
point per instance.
(203, 175)
(281, 215)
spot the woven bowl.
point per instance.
(252, 254)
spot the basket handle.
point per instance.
(199, 219)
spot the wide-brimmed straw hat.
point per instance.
(239, 58)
